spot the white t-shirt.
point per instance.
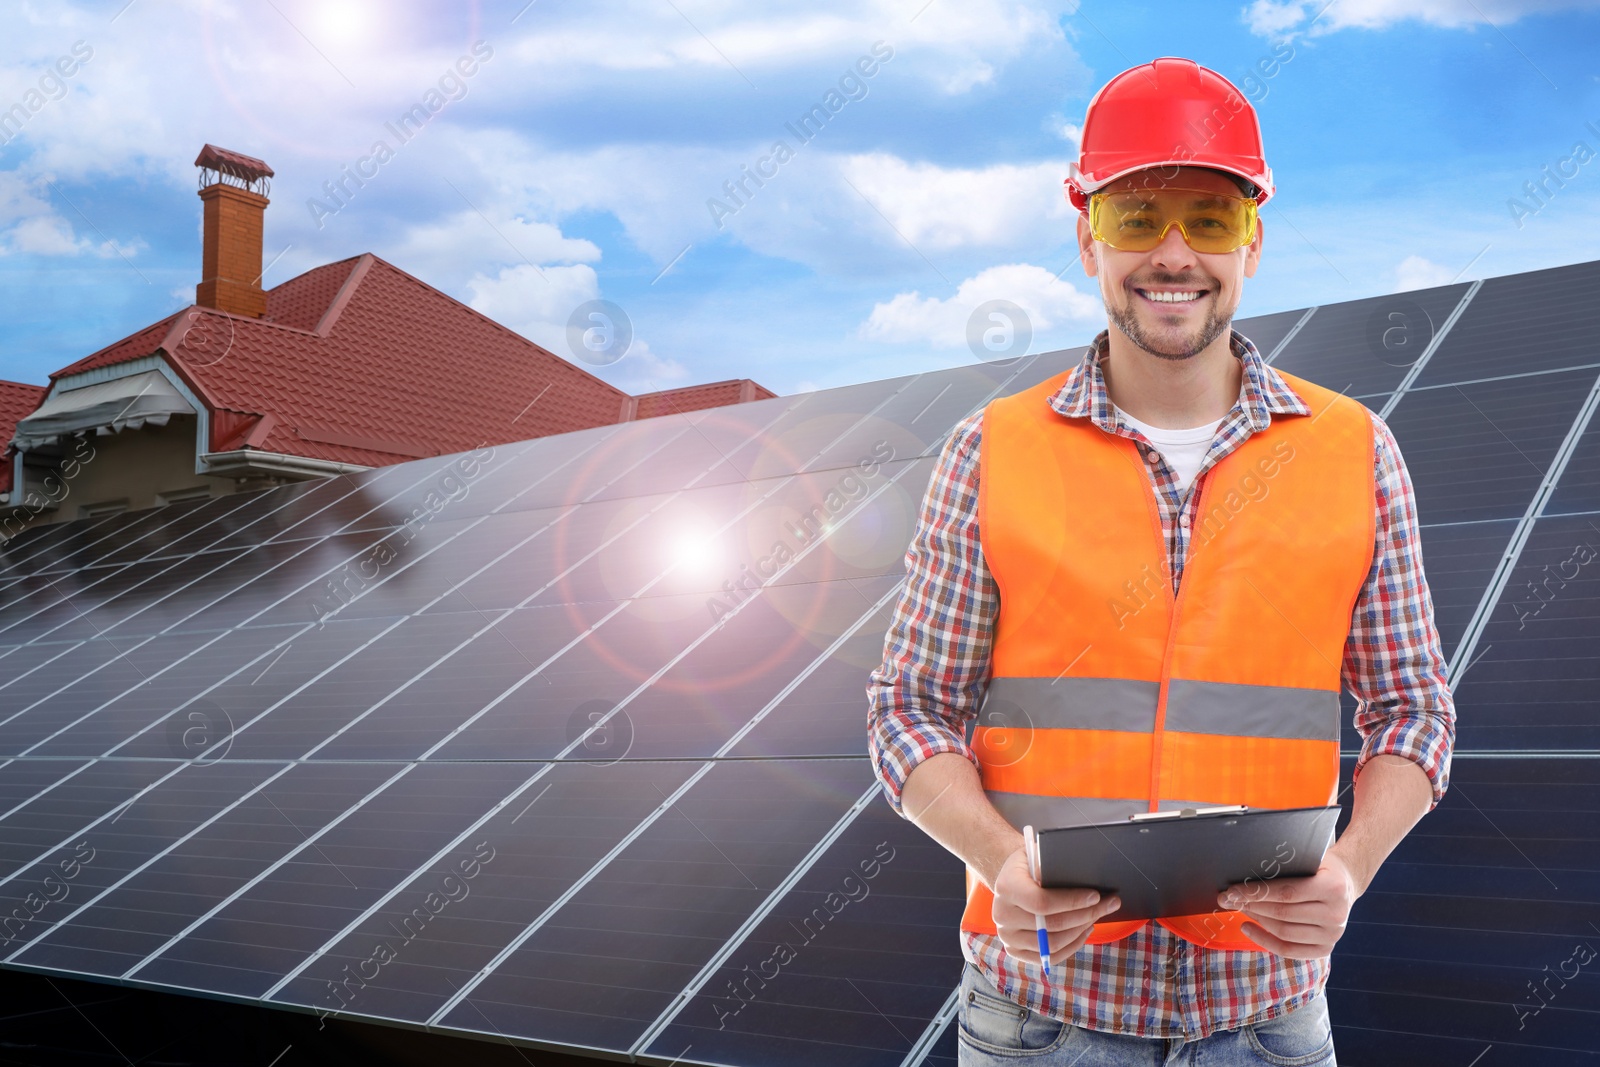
(1182, 449)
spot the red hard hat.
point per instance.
(1168, 112)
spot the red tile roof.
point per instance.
(234, 164)
(17, 401)
(302, 301)
(696, 397)
(136, 345)
(360, 362)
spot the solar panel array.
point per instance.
(563, 742)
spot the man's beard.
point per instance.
(1125, 320)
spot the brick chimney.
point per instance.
(233, 188)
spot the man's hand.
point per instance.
(1303, 918)
(1300, 918)
(1069, 913)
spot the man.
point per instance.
(1183, 556)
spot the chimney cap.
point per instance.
(245, 170)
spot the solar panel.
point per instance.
(141, 700)
(159, 541)
(108, 852)
(123, 527)
(1267, 332)
(811, 425)
(1452, 948)
(198, 537)
(450, 666)
(31, 542)
(260, 932)
(817, 716)
(136, 599)
(1459, 560)
(682, 458)
(736, 427)
(1026, 372)
(1365, 348)
(1579, 488)
(113, 932)
(913, 418)
(846, 968)
(68, 690)
(508, 873)
(1494, 337)
(1480, 451)
(279, 515)
(618, 675)
(641, 927)
(120, 528)
(1534, 677)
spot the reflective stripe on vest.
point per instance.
(1108, 695)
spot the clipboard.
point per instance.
(1176, 862)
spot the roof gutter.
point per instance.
(250, 461)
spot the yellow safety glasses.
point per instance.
(1137, 220)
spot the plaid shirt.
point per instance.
(936, 666)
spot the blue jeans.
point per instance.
(992, 1030)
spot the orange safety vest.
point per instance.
(1109, 695)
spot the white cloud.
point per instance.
(535, 302)
(456, 244)
(1286, 18)
(953, 46)
(120, 249)
(43, 235)
(661, 39)
(28, 222)
(48, 234)
(1047, 301)
(1415, 272)
(661, 213)
(962, 77)
(260, 87)
(641, 370)
(569, 121)
(951, 207)
(1269, 18)
(807, 213)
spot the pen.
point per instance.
(1030, 846)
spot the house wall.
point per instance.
(140, 466)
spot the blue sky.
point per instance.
(580, 158)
